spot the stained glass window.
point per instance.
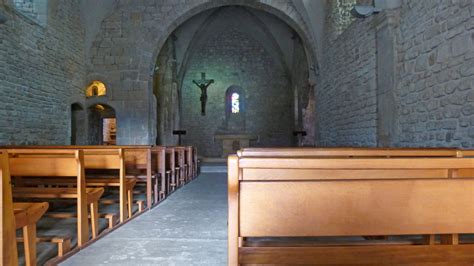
(235, 103)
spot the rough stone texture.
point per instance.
(41, 74)
(188, 228)
(166, 93)
(241, 48)
(128, 44)
(44, 70)
(436, 74)
(233, 58)
(339, 17)
(434, 79)
(346, 101)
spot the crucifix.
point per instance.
(203, 83)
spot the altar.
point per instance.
(231, 143)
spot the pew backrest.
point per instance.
(348, 152)
(55, 163)
(300, 197)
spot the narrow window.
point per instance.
(235, 102)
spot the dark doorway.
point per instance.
(77, 124)
(102, 125)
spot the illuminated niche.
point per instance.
(96, 88)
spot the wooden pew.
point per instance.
(17, 215)
(137, 162)
(188, 163)
(348, 152)
(314, 197)
(160, 155)
(195, 162)
(307, 152)
(99, 159)
(180, 165)
(142, 163)
(171, 173)
(58, 163)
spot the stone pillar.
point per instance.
(386, 24)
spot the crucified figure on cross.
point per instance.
(203, 83)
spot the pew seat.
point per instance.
(92, 195)
(27, 215)
(90, 182)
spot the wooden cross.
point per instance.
(203, 83)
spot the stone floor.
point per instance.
(188, 228)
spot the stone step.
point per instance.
(213, 167)
(213, 160)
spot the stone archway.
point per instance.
(126, 48)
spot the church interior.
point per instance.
(237, 132)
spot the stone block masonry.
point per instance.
(346, 100)
(233, 58)
(434, 80)
(435, 93)
(42, 71)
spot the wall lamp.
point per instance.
(360, 11)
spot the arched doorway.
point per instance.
(78, 124)
(102, 125)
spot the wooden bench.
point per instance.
(140, 163)
(40, 163)
(352, 152)
(348, 152)
(315, 197)
(180, 165)
(195, 162)
(160, 188)
(99, 159)
(171, 173)
(17, 215)
(189, 163)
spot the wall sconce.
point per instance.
(359, 11)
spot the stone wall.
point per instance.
(232, 58)
(128, 43)
(41, 74)
(166, 93)
(346, 102)
(435, 93)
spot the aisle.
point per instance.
(189, 228)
